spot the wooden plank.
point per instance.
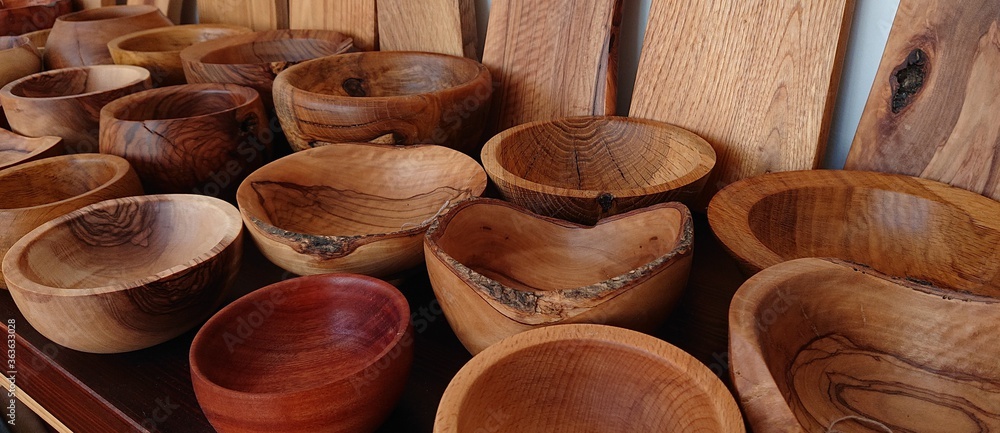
(255, 14)
(437, 26)
(756, 79)
(933, 108)
(355, 18)
(171, 8)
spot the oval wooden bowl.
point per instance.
(159, 49)
(387, 97)
(586, 378)
(195, 138)
(254, 59)
(327, 353)
(498, 269)
(126, 274)
(583, 169)
(81, 38)
(17, 149)
(820, 345)
(357, 208)
(67, 102)
(899, 225)
(23, 16)
(18, 58)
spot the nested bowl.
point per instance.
(819, 345)
(23, 16)
(159, 49)
(356, 208)
(387, 97)
(583, 169)
(16, 149)
(327, 353)
(81, 38)
(497, 269)
(126, 274)
(586, 378)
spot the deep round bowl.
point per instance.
(583, 169)
(16, 149)
(387, 97)
(81, 38)
(586, 378)
(159, 49)
(18, 17)
(323, 353)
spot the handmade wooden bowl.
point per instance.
(899, 225)
(16, 149)
(17, 58)
(583, 169)
(159, 49)
(22, 16)
(37, 192)
(586, 378)
(387, 97)
(195, 138)
(67, 102)
(819, 345)
(81, 38)
(126, 274)
(357, 208)
(38, 39)
(326, 353)
(498, 269)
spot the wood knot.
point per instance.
(606, 199)
(355, 87)
(908, 79)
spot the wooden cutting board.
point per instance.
(437, 26)
(355, 18)
(756, 79)
(171, 8)
(256, 14)
(934, 110)
(552, 59)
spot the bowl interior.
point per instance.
(8, 42)
(77, 81)
(379, 74)
(271, 51)
(179, 103)
(107, 13)
(172, 38)
(53, 180)
(14, 4)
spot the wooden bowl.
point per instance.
(899, 225)
(387, 97)
(254, 59)
(18, 58)
(159, 49)
(820, 345)
(324, 353)
(586, 378)
(17, 149)
(357, 208)
(583, 169)
(18, 17)
(81, 38)
(37, 192)
(498, 269)
(67, 102)
(38, 39)
(126, 274)
(195, 138)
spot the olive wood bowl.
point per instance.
(159, 49)
(38, 38)
(81, 38)
(126, 274)
(819, 345)
(497, 269)
(385, 97)
(18, 58)
(356, 208)
(328, 353)
(17, 149)
(18, 17)
(586, 378)
(583, 169)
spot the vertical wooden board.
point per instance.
(437, 26)
(552, 59)
(757, 79)
(256, 14)
(171, 8)
(355, 18)
(934, 109)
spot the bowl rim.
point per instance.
(229, 223)
(115, 44)
(35, 4)
(6, 91)
(195, 53)
(132, 11)
(120, 165)
(323, 282)
(160, 93)
(19, 42)
(39, 145)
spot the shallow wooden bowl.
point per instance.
(358, 208)
(899, 225)
(388, 97)
(18, 17)
(159, 49)
(67, 102)
(16, 149)
(498, 269)
(126, 274)
(586, 378)
(819, 345)
(81, 38)
(583, 169)
(326, 353)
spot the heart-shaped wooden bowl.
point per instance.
(497, 269)
(128, 273)
(357, 208)
(324, 353)
(159, 49)
(81, 38)
(583, 169)
(386, 97)
(17, 149)
(586, 378)
(819, 345)
(18, 17)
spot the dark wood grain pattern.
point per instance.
(435, 26)
(354, 18)
(159, 49)
(81, 38)
(18, 17)
(17, 149)
(17, 58)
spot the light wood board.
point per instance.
(256, 14)
(355, 18)
(437, 26)
(171, 8)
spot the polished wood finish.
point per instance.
(81, 38)
(586, 378)
(758, 80)
(584, 169)
(436, 26)
(387, 97)
(259, 15)
(351, 340)
(931, 111)
(17, 149)
(18, 17)
(18, 58)
(67, 102)
(354, 18)
(172, 9)
(126, 274)
(159, 49)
